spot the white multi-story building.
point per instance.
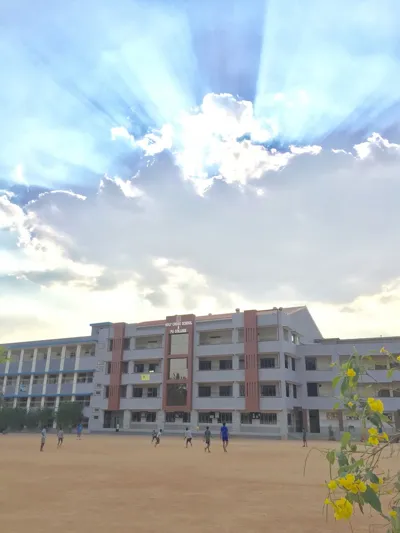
(265, 373)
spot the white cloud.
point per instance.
(305, 225)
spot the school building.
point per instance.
(265, 373)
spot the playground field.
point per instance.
(103, 484)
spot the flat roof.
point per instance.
(337, 340)
(48, 342)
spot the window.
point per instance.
(204, 391)
(268, 390)
(287, 390)
(246, 418)
(204, 365)
(52, 379)
(67, 379)
(138, 368)
(85, 377)
(225, 390)
(151, 417)
(125, 367)
(267, 362)
(179, 344)
(176, 394)
(127, 343)
(289, 419)
(269, 419)
(225, 364)
(293, 363)
(25, 380)
(152, 392)
(225, 417)
(396, 393)
(294, 391)
(286, 361)
(106, 391)
(178, 368)
(294, 338)
(108, 368)
(241, 364)
(136, 416)
(84, 400)
(312, 389)
(186, 418)
(50, 401)
(384, 393)
(137, 392)
(170, 417)
(37, 380)
(205, 418)
(311, 363)
(286, 334)
(122, 391)
(242, 390)
(153, 367)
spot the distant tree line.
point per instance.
(67, 416)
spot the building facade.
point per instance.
(265, 373)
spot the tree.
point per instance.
(45, 417)
(3, 355)
(356, 479)
(32, 419)
(69, 414)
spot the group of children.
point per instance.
(60, 436)
(224, 434)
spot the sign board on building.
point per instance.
(178, 326)
(100, 366)
(145, 377)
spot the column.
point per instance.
(235, 362)
(76, 367)
(236, 422)
(252, 397)
(16, 390)
(283, 424)
(60, 375)
(160, 420)
(194, 418)
(33, 368)
(126, 422)
(47, 367)
(6, 368)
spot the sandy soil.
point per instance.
(121, 483)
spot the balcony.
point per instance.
(83, 388)
(216, 403)
(141, 404)
(218, 376)
(215, 338)
(66, 389)
(37, 389)
(87, 362)
(40, 365)
(272, 403)
(51, 388)
(144, 353)
(145, 378)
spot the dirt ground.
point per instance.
(103, 484)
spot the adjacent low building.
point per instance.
(265, 373)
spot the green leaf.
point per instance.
(342, 459)
(372, 499)
(372, 477)
(331, 456)
(336, 405)
(335, 381)
(353, 447)
(344, 386)
(346, 438)
(390, 372)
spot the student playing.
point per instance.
(188, 437)
(305, 445)
(153, 436)
(43, 438)
(60, 436)
(158, 438)
(207, 439)
(224, 437)
(79, 429)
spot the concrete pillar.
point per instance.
(126, 423)
(235, 362)
(236, 422)
(160, 420)
(283, 424)
(194, 417)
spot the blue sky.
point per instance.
(164, 115)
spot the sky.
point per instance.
(172, 156)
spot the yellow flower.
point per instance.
(374, 441)
(380, 480)
(375, 405)
(332, 485)
(373, 431)
(327, 501)
(350, 404)
(350, 373)
(384, 436)
(398, 358)
(383, 349)
(374, 487)
(361, 486)
(393, 514)
(343, 509)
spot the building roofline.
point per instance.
(337, 340)
(48, 342)
(101, 324)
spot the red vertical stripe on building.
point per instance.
(190, 355)
(251, 362)
(116, 367)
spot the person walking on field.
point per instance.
(43, 438)
(207, 440)
(188, 437)
(305, 445)
(60, 436)
(224, 437)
